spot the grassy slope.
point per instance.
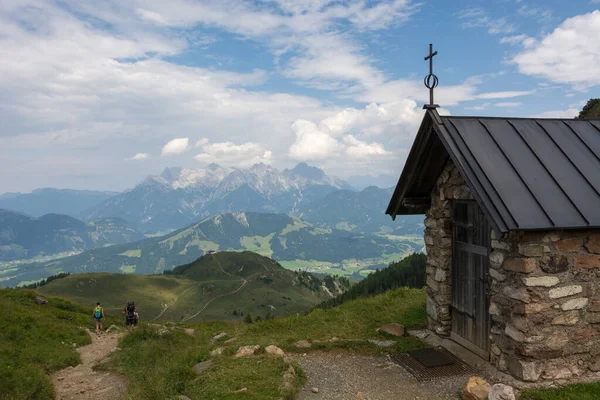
(161, 367)
(269, 289)
(31, 342)
(586, 391)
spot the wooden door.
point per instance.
(470, 277)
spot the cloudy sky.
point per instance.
(98, 94)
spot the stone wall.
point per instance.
(545, 294)
(438, 243)
(545, 305)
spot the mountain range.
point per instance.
(23, 236)
(180, 196)
(53, 201)
(280, 236)
(362, 211)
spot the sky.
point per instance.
(99, 94)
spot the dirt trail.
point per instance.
(82, 382)
(244, 282)
(341, 375)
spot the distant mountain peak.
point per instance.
(306, 171)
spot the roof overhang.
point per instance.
(525, 173)
(430, 152)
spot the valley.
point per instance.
(294, 243)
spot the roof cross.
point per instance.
(431, 81)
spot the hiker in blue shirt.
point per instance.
(98, 317)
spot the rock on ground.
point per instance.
(274, 350)
(475, 388)
(217, 352)
(229, 341)
(217, 337)
(501, 392)
(82, 382)
(302, 344)
(246, 351)
(382, 343)
(392, 329)
(202, 366)
(189, 331)
(40, 300)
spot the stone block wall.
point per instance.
(545, 305)
(438, 243)
(544, 297)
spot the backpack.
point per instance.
(130, 308)
(98, 313)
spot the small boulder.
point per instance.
(202, 366)
(382, 343)
(360, 396)
(217, 352)
(244, 389)
(392, 329)
(217, 337)
(301, 344)
(315, 390)
(189, 331)
(40, 300)
(73, 345)
(274, 350)
(229, 341)
(475, 388)
(246, 351)
(501, 392)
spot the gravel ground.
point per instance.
(344, 375)
(82, 382)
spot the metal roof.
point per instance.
(526, 173)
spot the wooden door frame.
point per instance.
(483, 353)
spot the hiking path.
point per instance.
(82, 382)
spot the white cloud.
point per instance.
(523, 40)
(570, 113)
(508, 104)
(175, 146)
(202, 142)
(230, 154)
(358, 148)
(505, 95)
(570, 54)
(311, 142)
(540, 14)
(140, 156)
(479, 18)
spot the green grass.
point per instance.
(258, 244)
(132, 253)
(128, 269)
(182, 297)
(582, 391)
(36, 340)
(161, 366)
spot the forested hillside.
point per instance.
(409, 272)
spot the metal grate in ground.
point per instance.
(423, 373)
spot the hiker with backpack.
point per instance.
(98, 317)
(131, 315)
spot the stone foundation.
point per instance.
(545, 305)
(544, 298)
